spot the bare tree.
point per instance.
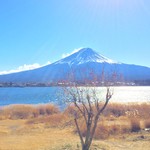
(89, 105)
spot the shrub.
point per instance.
(116, 110)
(54, 120)
(125, 129)
(19, 111)
(117, 129)
(130, 110)
(135, 125)
(102, 131)
(114, 129)
(27, 111)
(47, 109)
(147, 123)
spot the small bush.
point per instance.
(55, 120)
(135, 125)
(47, 109)
(116, 110)
(19, 111)
(114, 129)
(102, 131)
(125, 129)
(147, 123)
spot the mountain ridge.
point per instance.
(81, 65)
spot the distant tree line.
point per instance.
(142, 82)
(133, 83)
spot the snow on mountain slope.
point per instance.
(83, 56)
(80, 65)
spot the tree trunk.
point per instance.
(85, 147)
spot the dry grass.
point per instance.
(118, 119)
(27, 111)
(132, 110)
(147, 123)
(54, 120)
(107, 129)
(102, 131)
(20, 125)
(47, 109)
(135, 125)
(17, 135)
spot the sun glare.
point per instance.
(105, 3)
(115, 8)
(116, 4)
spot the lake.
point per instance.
(40, 95)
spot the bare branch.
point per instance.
(108, 97)
(87, 104)
(79, 132)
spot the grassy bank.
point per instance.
(45, 127)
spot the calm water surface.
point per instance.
(38, 95)
(131, 94)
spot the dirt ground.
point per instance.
(17, 135)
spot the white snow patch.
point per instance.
(74, 51)
(84, 56)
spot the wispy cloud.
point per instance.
(74, 51)
(25, 67)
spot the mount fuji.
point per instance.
(79, 67)
(85, 55)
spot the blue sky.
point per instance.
(37, 32)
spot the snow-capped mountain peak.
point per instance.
(85, 55)
(81, 65)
